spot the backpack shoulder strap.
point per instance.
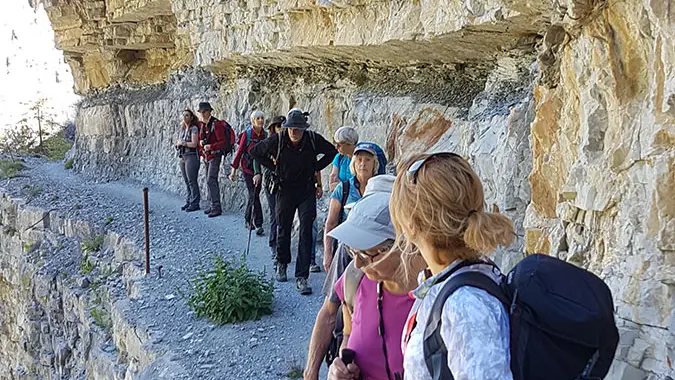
(279, 145)
(312, 140)
(353, 277)
(435, 351)
(345, 195)
(248, 137)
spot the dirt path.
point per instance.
(193, 348)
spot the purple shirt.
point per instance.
(365, 340)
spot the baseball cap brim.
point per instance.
(355, 237)
(302, 127)
(365, 149)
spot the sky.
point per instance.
(30, 65)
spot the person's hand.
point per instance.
(256, 180)
(201, 143)
(319, 192)
(339, 371)
(233, 175)
(327, 257)
(179, 143)
(207, 147)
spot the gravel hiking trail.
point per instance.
(273, 347)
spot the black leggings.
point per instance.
(253, 206)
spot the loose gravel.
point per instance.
(269, 348)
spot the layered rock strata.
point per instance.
(565, 108)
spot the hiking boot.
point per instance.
(192, 208)
(184, 207)
(314, 268)
(281, 272)
(260, 231)
(302, 286)
(207, 211)
(215, 213)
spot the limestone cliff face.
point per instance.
(566, 109)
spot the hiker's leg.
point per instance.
(192, 169)
(285, 214)
(257, 207)
(183, 172)
(306, 214)
(214, 189)
(248, 179)
(272, 202)
(315, 231)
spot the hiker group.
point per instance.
(410, 290)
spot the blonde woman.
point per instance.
(363, 166)
(437, 204)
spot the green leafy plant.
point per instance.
(56, 146)
(27, 246)
(86, 266)
(101, 317)
(108, 220)
(92, 245)
(296, 372)
(69, 164)
(10, 168)
(227, 293)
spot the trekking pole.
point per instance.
(250, 222)
(147, 230)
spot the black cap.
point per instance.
(296, 119)
(278, 120)
(205, 106)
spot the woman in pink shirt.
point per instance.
(381, 299)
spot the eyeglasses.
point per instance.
(417, 165)
(366, 257)
(187, 115)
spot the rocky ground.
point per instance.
(188, 348)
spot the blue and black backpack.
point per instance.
(561, 317)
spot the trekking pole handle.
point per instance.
(347, 356)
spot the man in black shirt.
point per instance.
(295, 152)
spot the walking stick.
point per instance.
(250, 222)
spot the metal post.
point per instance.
(147, 230)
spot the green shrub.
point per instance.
(227, 294)
(55, 147)
(108, 220)
(296, 372)
(101, 317)
(69, 164)
(86, 266)
(27, 246)
(10, 168)
(92, 245)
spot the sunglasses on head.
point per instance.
(417, 165)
